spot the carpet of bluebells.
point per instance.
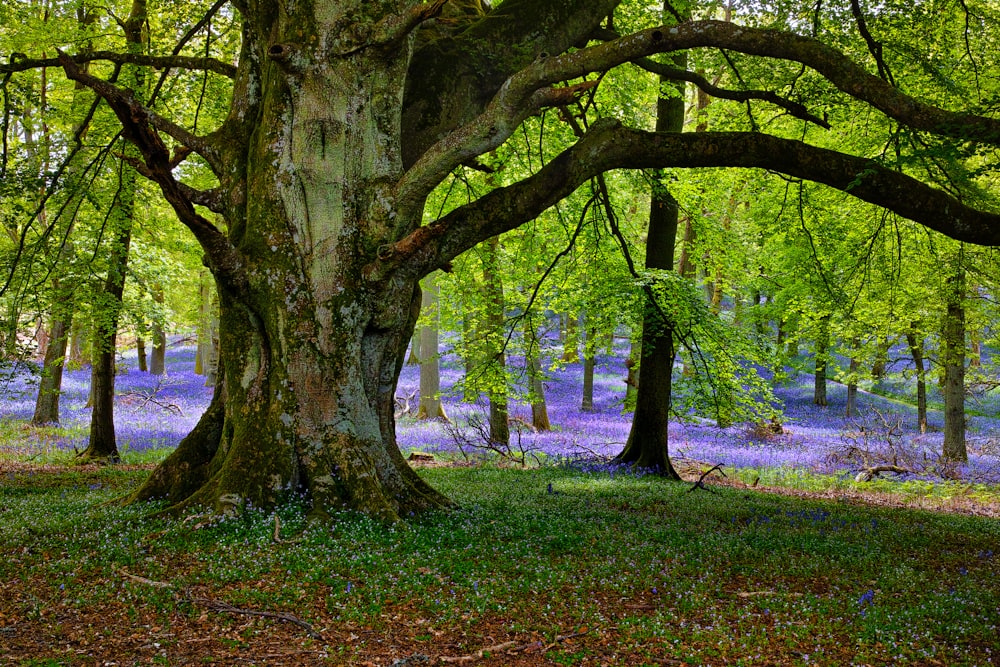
(155, 412)
(813, 438)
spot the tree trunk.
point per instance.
(536, 386)
(430, 372)
(102, 444)
(589, 351)
(648, 441)
(953, 360)
(821, 359)
(311, 346)
(883, 343)
(852, 380)
(494, 358)
(916, 343)
(157, 360)
(571, 338)
(50, 384)
(207, 358)
(140, 353)
(632, 371)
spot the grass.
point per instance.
(552, 565)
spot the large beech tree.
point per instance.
(339, 129)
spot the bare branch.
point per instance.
(159, 62)
(793, 108)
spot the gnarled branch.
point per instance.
(608, 146)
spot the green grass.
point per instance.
(646, 570)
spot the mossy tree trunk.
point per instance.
(50, 383)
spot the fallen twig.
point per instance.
(700, 484)
(220, 606)
(144, 580)
(226, 608)
(510, 647)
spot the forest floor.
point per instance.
(538, 567)
(781, 559)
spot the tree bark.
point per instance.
(494, 357)
(140, 353)
(589, 352)
(50, 384)
(533, 367)
(821, 359)
(953, 360)
(915, 341)
(157, 360)
(852, 380)
(430, 371)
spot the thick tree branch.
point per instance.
(837, 68)
(451, 80)
(609, 146)
(159, 62)
(139, 114)
(516, 101)
(137, 128)
(397, 26)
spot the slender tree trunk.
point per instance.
(883, 343)
(77, 334)
(50, 384)
(413, 358)
(207, 359)
(470, 347)
(102, 444)
(632, 372)
(648, 442)
(140, 353)
(916, 344)
(953, 360)
(589, 352)
(852, 379)
(158, 359)
(571, 339)
(495, 358)
(430, 372)
(821, 359)
(536, 386)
